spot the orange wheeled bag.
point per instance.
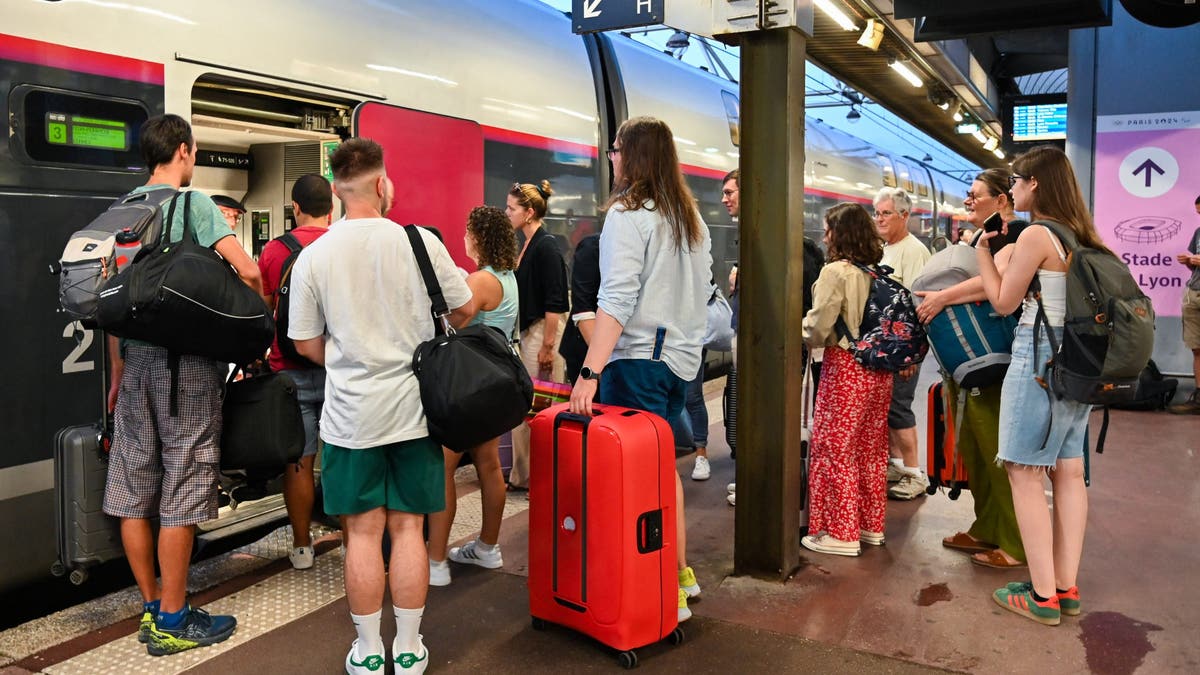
(944, 464)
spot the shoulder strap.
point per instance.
(187, 218)
(432, 287)
(290, 241)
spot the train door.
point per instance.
(436, 164)
(72, 148)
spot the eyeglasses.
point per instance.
(729, 193)
(971, 196)
(1012, 180)
(884, 214)
(612, 151)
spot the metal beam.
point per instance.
(767, 527)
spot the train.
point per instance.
(466, 98)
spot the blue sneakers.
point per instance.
(198, 629)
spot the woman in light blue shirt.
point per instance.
(655, 281)
(491, 243)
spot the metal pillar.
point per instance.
(771, 223)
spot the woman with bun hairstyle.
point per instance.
(542, 284)
(993, 540)
(655, 281)
(490, 243)
(1040, 434)
(847, 476)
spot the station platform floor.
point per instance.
(907, 607)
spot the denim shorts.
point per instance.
(310, 390)
(1026, 411)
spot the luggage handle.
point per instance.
(650, 531)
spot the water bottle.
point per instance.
(126, 249)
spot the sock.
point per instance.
(171, 619)
(367, 627)
(897, 462)
(1037, 597)
(911, 470)
(1060, 591)
(151, 607)
(485, 548)
(408, 627)
(436, 563)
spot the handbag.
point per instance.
(546, 394)
(718, 332)
(262, 427)
(185, 297)
(473, 385)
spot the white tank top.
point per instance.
(1054, 292)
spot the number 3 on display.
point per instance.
(83, 341)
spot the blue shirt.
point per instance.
(504, 317)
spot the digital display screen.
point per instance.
(1040, 122)
(86, 132)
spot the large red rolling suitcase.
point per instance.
(943, 463)
(602, 555)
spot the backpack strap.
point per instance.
(291, 242)
(432, 287)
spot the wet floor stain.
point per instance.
(1114, 643)
(933, 593)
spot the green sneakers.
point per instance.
(1018, 598)
(146, 625)
(683, 613)
(409, 663)
(687, 581)
(198, 629)
(1068, 602)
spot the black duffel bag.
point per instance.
(185, 297)
(473, 385)
(262, 428)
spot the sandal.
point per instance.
(966, 543)
(996, 559)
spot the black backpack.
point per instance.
(282, 305)
(184, 297)
(890, 336)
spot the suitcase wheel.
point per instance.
(628, 660)
(79, 576)
(676, 636)
(58, 569)
(538, 624)
(931, 488)
(955, 492)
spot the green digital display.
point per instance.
(86, 132)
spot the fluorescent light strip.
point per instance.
(907, 73)
(979, 136)
(836, 14)
(998, 153)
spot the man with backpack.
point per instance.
(359, 307)
(312, 204)
(164, 462)
(906, 255)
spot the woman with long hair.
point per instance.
(655, 281)
(490, 242)
(849, 452)
(1040, 434)
(993, 540)
(542, 283)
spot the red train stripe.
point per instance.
(24, 50)
(538, 142)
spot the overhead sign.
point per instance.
(590, 16)
(716, 18)
(224, 160)
(1146, 172)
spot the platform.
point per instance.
(909, 606)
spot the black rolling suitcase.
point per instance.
(729, 407)
(86, 536)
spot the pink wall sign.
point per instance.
(1147, 181)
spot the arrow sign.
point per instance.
(1148, 166)
(590, 16)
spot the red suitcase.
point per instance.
(943, 463)
(602, 526)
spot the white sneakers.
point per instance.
(471, 553)
(301, 557)
(872, 538)
(823, 543)
(910, 487)
(439, 573)
(731, 498)
(702, 471)
(894, 473)
(373, 664)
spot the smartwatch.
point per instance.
(589, 374)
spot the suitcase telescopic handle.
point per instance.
(582, 419)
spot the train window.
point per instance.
(57, 126)
(733, 113)
(906, 176)
(889, 173)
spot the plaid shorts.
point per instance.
(161, 465)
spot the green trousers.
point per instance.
(995, 520)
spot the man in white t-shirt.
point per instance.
(906, 255)
(359, 307)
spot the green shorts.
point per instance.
(408, 476)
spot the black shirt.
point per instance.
(585, 286)
(541, 279)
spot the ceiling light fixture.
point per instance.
(998, 153)
(836, 14)
(904, 71)
(872, 35)
(959, 114)
(853, 115)
(991, 144)
(979, 136)
(927, 158)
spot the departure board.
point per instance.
(86, 132)
(1040, 122)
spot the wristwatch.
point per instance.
(589, 374)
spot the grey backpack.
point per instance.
(87, 261)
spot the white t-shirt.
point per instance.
(360, 287)
(907, 258)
